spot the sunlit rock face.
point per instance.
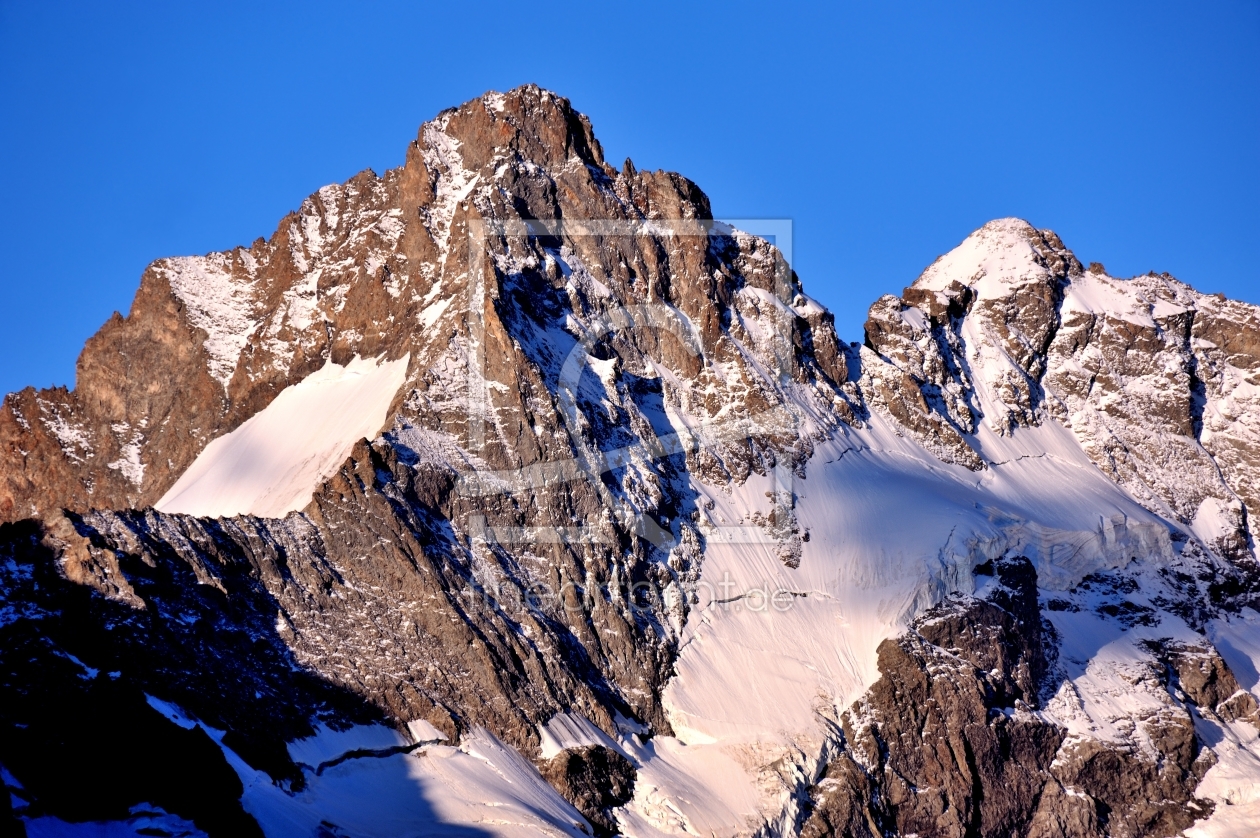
(511, 493)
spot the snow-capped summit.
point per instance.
(998, 258)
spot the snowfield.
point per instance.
(273, 463)
(892, 531)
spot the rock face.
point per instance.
(964, 685)
(1205, 679)
(381, 265)
(605, 388)
(595, 780)
(56, 705)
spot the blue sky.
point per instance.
(887, 131)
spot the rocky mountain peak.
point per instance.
(528, 122)
(365, 268)
(514, 459)
(1008, 329)
(1004, 254)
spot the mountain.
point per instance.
(511, 493)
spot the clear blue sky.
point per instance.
(886, 130)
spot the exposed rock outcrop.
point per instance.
(950, 740)
(595, 779)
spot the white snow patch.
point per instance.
(1216, 518)
(423, 731)
(1112, 678)
(328, 196)
(679, 787)
(991, 260)
(438, 790)
(691, 789)
(218, 303)
(1234, 782)
(391, 226)
(454, 182)
(73, 439)
(431, 313)
(1237, 638)
(128, 463)
(273, 463)
(1100, 294)
(915, 319)
(572, 730)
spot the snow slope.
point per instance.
(144, 821)
(482, 787)
(773, 654)
(272, 464)
(893, 530)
